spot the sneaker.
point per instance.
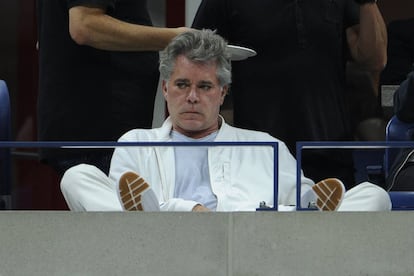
(330, 193)
(136, 194)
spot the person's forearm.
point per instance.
(104, 32)
(372, 37)
(370, 40)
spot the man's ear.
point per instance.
(224, 91)
(164, 88)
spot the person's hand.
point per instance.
(362, 2)
(200, 208)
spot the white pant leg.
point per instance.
(366, 197)
(86, 188)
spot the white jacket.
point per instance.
(240, 177)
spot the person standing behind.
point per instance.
(401, 172)
(98, 74)
(298, 75)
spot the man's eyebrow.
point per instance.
(205, 82)
(181, 80)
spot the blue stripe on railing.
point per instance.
(103, 144)
(339, 145)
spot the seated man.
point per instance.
(196, 74)
(401, 174)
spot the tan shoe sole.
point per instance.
(330, 193)
(131, 189)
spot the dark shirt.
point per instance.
(404, 100)
(400, 51)
(294, 88)
(400, 161)
(87, 94)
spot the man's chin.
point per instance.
(191, 125)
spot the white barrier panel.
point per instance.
(213, 244)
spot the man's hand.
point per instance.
(200, 208)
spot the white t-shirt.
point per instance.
(192, 179)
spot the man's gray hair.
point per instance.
(201, 46)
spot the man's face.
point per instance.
(194, 97)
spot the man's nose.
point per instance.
(192, 95)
